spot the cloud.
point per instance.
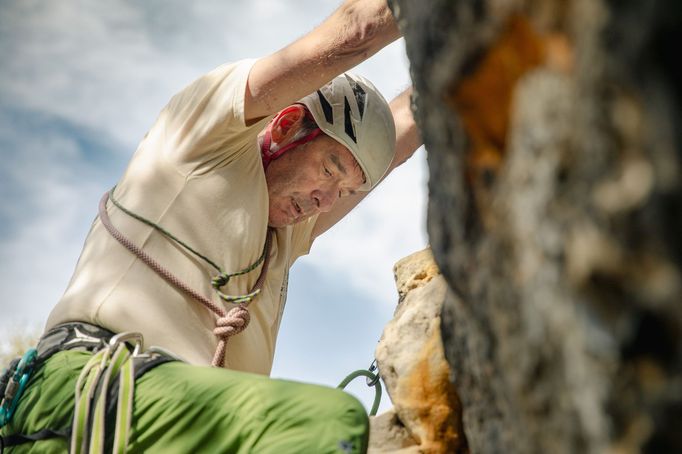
(113, 65)
(91, 63)
(49, 183)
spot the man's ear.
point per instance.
(287, 122)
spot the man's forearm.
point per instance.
(369, 26)
(354, 32)
(408, 138)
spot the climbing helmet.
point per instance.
(351, 110)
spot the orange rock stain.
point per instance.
(483, 98)
(427, 393)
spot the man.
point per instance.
(218, 201)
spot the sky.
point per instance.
(81, 81)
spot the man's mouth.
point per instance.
(298, 212)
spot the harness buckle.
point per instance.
(129, 337)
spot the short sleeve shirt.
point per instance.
(197, 173)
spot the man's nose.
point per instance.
(325, 198)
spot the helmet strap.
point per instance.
(266, 147)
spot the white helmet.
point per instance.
(352, 111)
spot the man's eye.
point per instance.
(326, 170)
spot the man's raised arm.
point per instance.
(354, 32)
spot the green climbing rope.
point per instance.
(372, 382)
(218, 281)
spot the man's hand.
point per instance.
(353, 33)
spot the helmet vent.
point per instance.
(326, 108)
(351, 111)
(360, 95)
(348, 123)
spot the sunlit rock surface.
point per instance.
(425, 417)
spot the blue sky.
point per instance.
(82, 81)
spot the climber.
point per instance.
(241, 171)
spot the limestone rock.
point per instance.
(389, 435)
(412, 363)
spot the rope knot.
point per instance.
(220, 280)
(234, 322)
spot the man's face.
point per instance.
(310, 179)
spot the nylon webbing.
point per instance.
(92, 387)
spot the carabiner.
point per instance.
(16, 386)
(372, 368)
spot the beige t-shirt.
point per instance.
(198, 173)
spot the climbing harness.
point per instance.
(104, 390)
(373, 380)
(228, 323)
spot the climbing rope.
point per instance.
(373, 380)
(228, 323)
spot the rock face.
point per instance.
(425, 418)
(555, 214)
